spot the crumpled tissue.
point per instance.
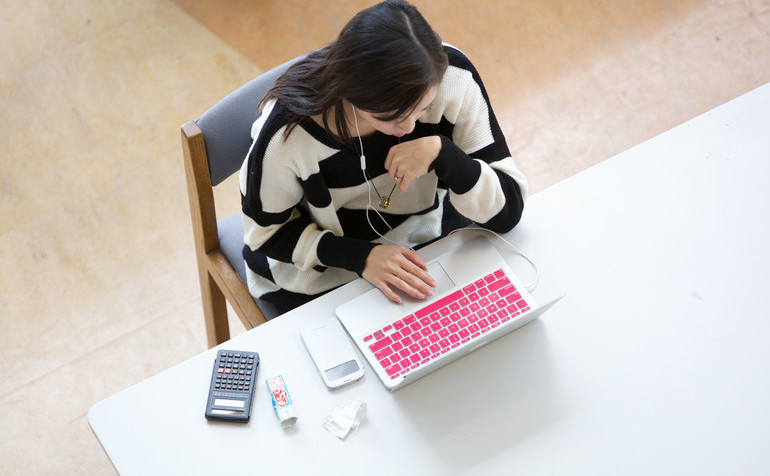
(345, 417)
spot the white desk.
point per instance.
(656, 362)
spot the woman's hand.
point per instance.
(410, 160)
(398, 266)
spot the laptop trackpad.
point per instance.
(443, 283)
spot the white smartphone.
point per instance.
(333, 354)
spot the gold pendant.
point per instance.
(384, 202)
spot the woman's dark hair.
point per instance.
(384, 61)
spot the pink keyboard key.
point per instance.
(380, 344)
(383, 353)
(500, 283)
(427, 310)
(393, 369)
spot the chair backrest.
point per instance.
(227, 125)
(214, 147)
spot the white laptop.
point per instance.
(477, 300)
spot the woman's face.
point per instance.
(402, 125)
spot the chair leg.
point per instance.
(214, 311)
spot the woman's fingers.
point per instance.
(390, 267)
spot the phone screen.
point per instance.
(342, 370)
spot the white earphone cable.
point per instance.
(369, 190)
(532, 285)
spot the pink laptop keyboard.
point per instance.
(450, 322)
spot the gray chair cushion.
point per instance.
(227, 125)
(231, 243)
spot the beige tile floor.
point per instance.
(98, 289)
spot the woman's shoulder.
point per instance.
(306, 140)
(458, 59)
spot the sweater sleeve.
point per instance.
(483, 181)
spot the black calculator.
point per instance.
(232, 386)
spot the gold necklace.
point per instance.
(384, 200)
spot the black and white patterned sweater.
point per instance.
(304, 198)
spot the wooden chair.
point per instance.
(214, 148)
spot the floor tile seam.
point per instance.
(224, 43)
(131, 166)
(53, 53)
(180, 305)
(85, 353)
(96, 193)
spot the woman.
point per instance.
(365, 149)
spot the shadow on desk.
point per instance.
(527, 400)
